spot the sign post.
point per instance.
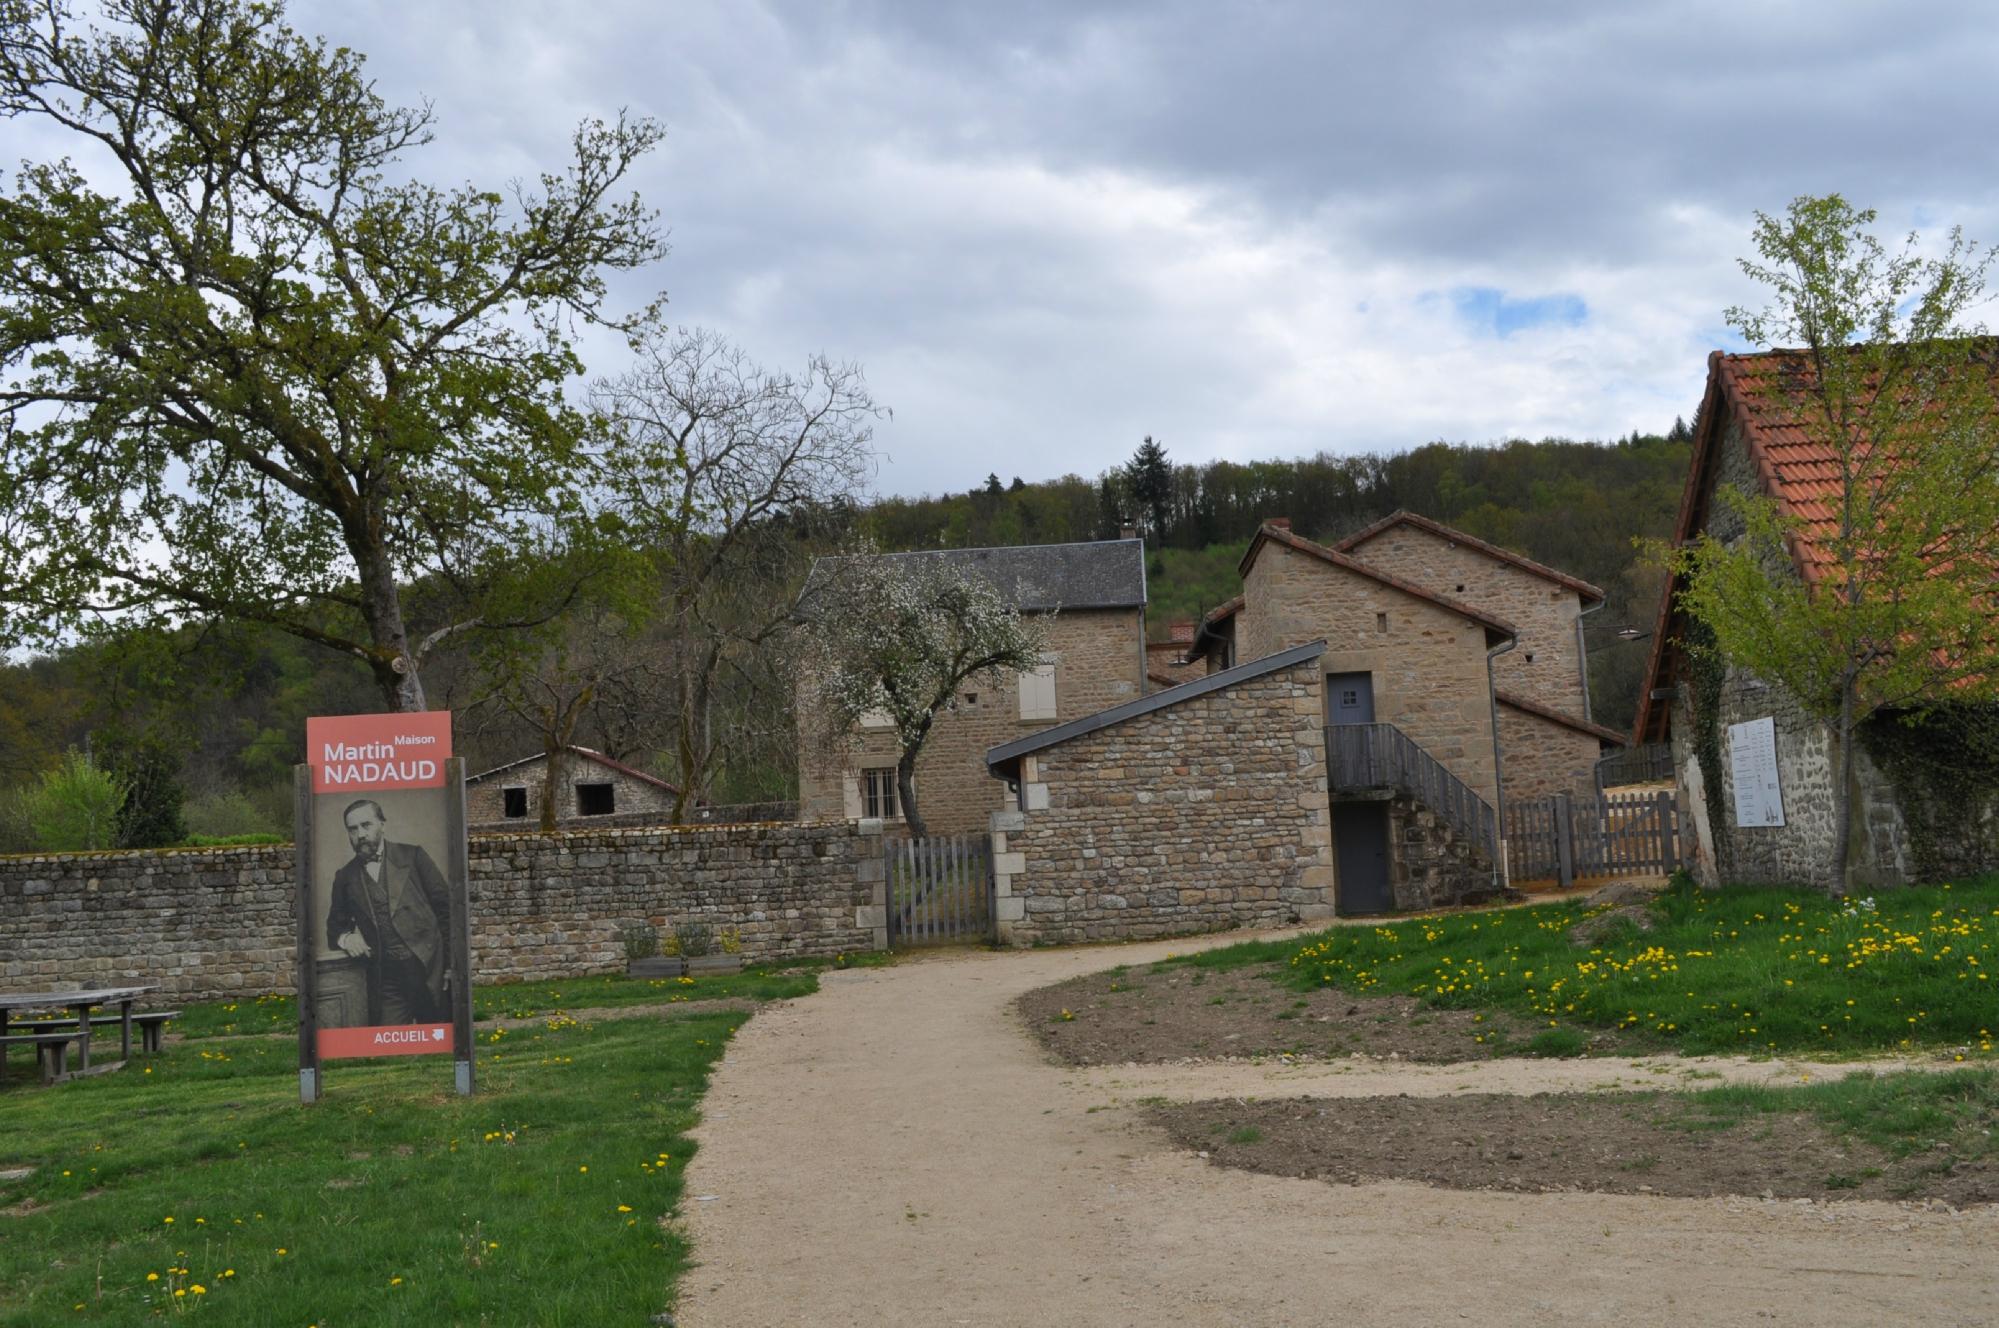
(384, 931)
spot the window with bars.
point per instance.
(878, 793)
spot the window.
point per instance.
(1037, 690)
(1380, 622)
(514, 803)
(595, 800)
(878, 793)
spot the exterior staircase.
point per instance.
(1382, 757)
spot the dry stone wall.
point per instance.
(1204, 815)
(219, 922)
(1541, 758)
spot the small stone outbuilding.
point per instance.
(593, 789)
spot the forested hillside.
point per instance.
(228, 705)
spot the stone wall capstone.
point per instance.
(204, 923)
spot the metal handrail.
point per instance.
(1383, 756)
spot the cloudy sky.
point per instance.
(1047, 229)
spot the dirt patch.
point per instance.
(1649, 1144)
(1184, 1013)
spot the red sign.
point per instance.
(371, 753)
(384, 1040)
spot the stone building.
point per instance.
(1755, 771)
(1092, 598)
(594, 790)
(1454, 684)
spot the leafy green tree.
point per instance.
(899, 637)
(75, 806)
(148, 767)
(266, 377)
(1897, 612)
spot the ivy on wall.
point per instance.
(1705, 675)
(1944, 767)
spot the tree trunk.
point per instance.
(905, 790)
(394, 668)
(1842, 789)
(550, 779)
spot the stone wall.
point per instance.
(1428, 663)
(485, 798)
(1429, 866)
(1547, 665)
(1099, 663)
(1206, 814)
(1540, 758)
(218, 922)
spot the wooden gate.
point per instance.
(1567, 841)
(940, 889)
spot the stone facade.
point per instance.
(1546, 664)
(221, 922)
(1800, 851)
(1429, 866)
(634, 795)
(1099, 658)
(1428, 663)
(1201, 815)
(1541, 757)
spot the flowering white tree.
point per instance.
(897, 637)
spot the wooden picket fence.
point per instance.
(940, 889)
(1566, 840)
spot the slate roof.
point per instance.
(1497, 629)
(1008, 753)
(1530, 707)
(1589, 593)
(1762, 395)
(1038, 578)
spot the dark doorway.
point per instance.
(1350, 698)
(595, 800)
(1360, 847)
(516, 802)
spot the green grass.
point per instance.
(273, 1013)
(1949, 1117)
(1735, 970)
(507, 1207)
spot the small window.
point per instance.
(1530, 657)
(596, 800)
(1037, 690)
(1461, 587)
(514, 803)
(1380, 622)
(878, 793)
(971, 698)
(1349, 697)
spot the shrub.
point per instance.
(695, 938)
(228, 815)
(640, 939)
(75, 807)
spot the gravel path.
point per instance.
(895, 1150)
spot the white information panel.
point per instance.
(1752, 760)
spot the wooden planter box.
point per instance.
(658, 966)
(715, 963)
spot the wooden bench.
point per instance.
(51, 1051)
(149, 1025)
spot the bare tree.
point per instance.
(728, 472)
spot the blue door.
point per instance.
(1350, 698)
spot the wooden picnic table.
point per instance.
(81, 1001)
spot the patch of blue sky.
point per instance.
(1491, 310)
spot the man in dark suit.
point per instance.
(391, 908)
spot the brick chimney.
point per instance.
(1281, 522)
(1127, 531)
(1181, 632)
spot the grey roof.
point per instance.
(1103, 574)
(1012, 751)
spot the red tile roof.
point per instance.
(588, 754)
(1269, 534)
(1589, 593)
